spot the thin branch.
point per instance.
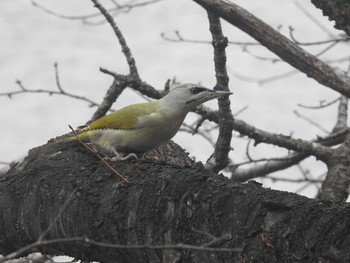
(277, 164)
(98, 156)
(313, 19)
(49, 92)
(323, 51)
(180, 39)
(322, 104)
(110, 97)
(260, 136)
(138, 85)
(84, 240)
(281, 179)
(260, 160)
(119, 84)
(247, 152)
(125, 48)
(299, 145)
(260, 57)
(54, 221)
(268, 167)
(57, 77)
(219, 159)
(310, 121)
(262, 81)
(116, 10)
(315, 43)
(188, 128)
(342, 117)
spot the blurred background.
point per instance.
(266, 90)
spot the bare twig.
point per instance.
(342, 117)
(119, 84)
(125, 48)
(49, 92)
(178, 39)
(265, 80)
(138, 85)
(57, 77)
(314, 43)
(190, 129)
(284, 141)
(219, 159)
(118, 8)
(265, 168)
(239, 174)
(288, 180)
(260, 136)
(276, 164)
(247, 153)
(85, 240)
(53, 222)
(313, 19)
(308, 120)
(323, 104)
(120, 81)
(98, 156)
(110, 97)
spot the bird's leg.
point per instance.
(119, 156)
(123, 158)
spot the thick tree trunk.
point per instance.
(162, 205)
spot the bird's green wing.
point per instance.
(125, 118)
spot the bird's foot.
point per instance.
(123, 158)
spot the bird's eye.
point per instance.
(196, 90)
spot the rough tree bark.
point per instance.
(337, 10)
(163, 204)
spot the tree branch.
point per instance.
(260, 136)
(270, 166)
(111, 96)
(60, 91)
(162, 209)
(125, 48)
(299, 145)
(279, 44)
(219, 159)
(265, 168)
(336, 185)
(118, 85)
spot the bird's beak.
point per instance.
(220, 93)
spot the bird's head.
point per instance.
(189, 95)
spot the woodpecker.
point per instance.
(138, 128)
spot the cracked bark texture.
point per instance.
(336, 10)
(163, 204)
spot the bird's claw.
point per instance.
(122, 158)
